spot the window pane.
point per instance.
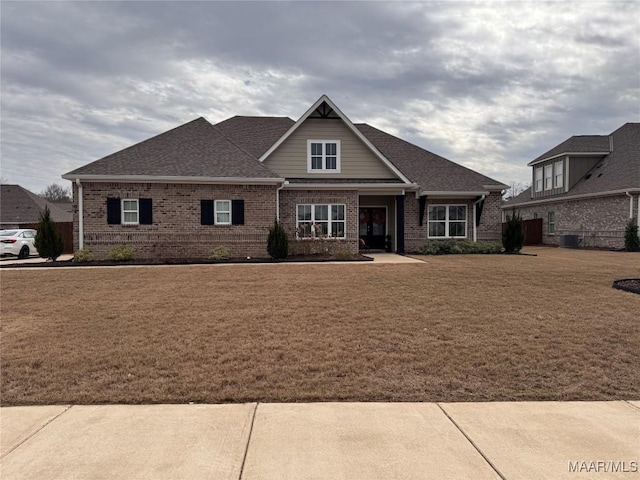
(332, 163)
(131, 217)
(304, 212)
(322, 228)
(337, 229)
(316, 149)
(304, 230)
(223, 218)
(436, 229)
(337, 212)
(322, 212)
(316, 163)
(223, 205)
(456, 229)
(331, 149)
(458, 213)
(130, 204)
(437, 212)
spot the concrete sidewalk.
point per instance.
(525, 440)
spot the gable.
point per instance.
(357, 160)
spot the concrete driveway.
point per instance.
(4, 261)
(368, 441)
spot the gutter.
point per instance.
(630, 204)
(172, 179)
(80, 216)
(475, 228)
(278, 199)
(561, 198)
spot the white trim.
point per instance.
(351, 127)
(573, 154)
(562, 198)
(123, 211)
(447, 221)
(566, 175)
(80, 216)
(450, 194)
(216, 211)
(324, 168)
(172, 179)
(400, 187)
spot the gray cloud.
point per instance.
(490, 85)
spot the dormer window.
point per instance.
(548, 177)
(538, 179)
(559, 175)
(323, 156)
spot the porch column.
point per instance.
(400, 223)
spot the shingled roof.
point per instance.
(195, 149)
(577, 144)
(432, 172)
(18, 205)
(232, 148)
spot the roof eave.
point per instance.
(351, 186)
(350, 125)
(172, 179)
(454, 194)
(562, 198)
(571, 154)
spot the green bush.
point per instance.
(121, 253)
(220, 253)
(82, 255)
(631, 240)
(445, 247)
(48, 241)
(512, 236)
(277, 242)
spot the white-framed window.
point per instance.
(222, 212)
(548, 177)
(321, 220)
(558, 181)
(551, 222)
(323, 156)
(538, 179)
(447, 221)
(130, 211)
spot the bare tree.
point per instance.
(515, 189)
(4, 180)
(56, 193)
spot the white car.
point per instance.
(18, 242)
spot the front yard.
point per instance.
(455, 328)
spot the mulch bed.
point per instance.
(628, 285)
(190, 261)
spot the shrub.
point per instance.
(343, 256)
(82, 255)
(277, 241)
(631, 240)
(121, 253)
(444, 247)
(48, 241)
(512, 236)
(220, 253)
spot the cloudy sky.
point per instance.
(489, 85)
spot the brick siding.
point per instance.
(176, 231)
(599, 222)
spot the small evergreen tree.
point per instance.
(512, 236)
(277, 241)
(48, 241)
(631, 240)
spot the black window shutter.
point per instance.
(206, 212)
(146, 211)
(113, 211)
(237, 212)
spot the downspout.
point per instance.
(475, 228)
(278, 199)
(80, 216)
(631, 204)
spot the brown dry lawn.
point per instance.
(454, 328)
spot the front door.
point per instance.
(373, 226)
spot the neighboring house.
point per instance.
(20, 208)
(328, 181)
(588, 186)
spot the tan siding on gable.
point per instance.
(357, 160)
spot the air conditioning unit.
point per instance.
(569, 241)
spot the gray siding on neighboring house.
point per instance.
(176, 231)
(599, 222)
(357, 160)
